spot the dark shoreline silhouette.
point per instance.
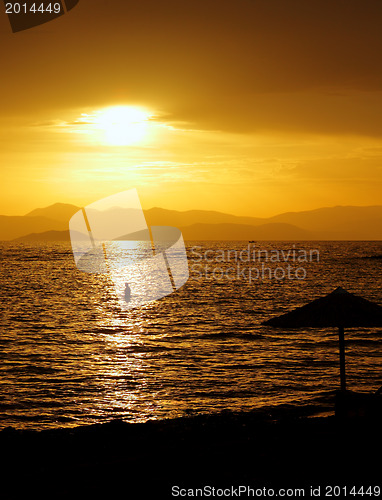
(261, 449)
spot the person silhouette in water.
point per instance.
(127, 292)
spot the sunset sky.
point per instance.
(252, 107)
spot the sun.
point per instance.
(122, 125)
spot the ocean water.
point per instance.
(69, 354)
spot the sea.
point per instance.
(71, 355)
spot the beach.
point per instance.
(211, 454)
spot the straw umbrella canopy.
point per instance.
(339, 309)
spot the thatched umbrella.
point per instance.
(339, 309)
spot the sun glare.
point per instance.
(122, 125)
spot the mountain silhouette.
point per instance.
(58, 211)
(340, 218)
(12, 227)
(328, 223)
(160, 216)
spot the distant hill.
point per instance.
(197, 232)
(338, 223)
(46, 236)
(335, 219)
(49, 236)
(329, 223)
(59, 211)
(12, 227)
(162, 217)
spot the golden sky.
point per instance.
(251, 107)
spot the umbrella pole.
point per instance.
(342, 357)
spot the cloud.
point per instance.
(239, 66)
(351, 113)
